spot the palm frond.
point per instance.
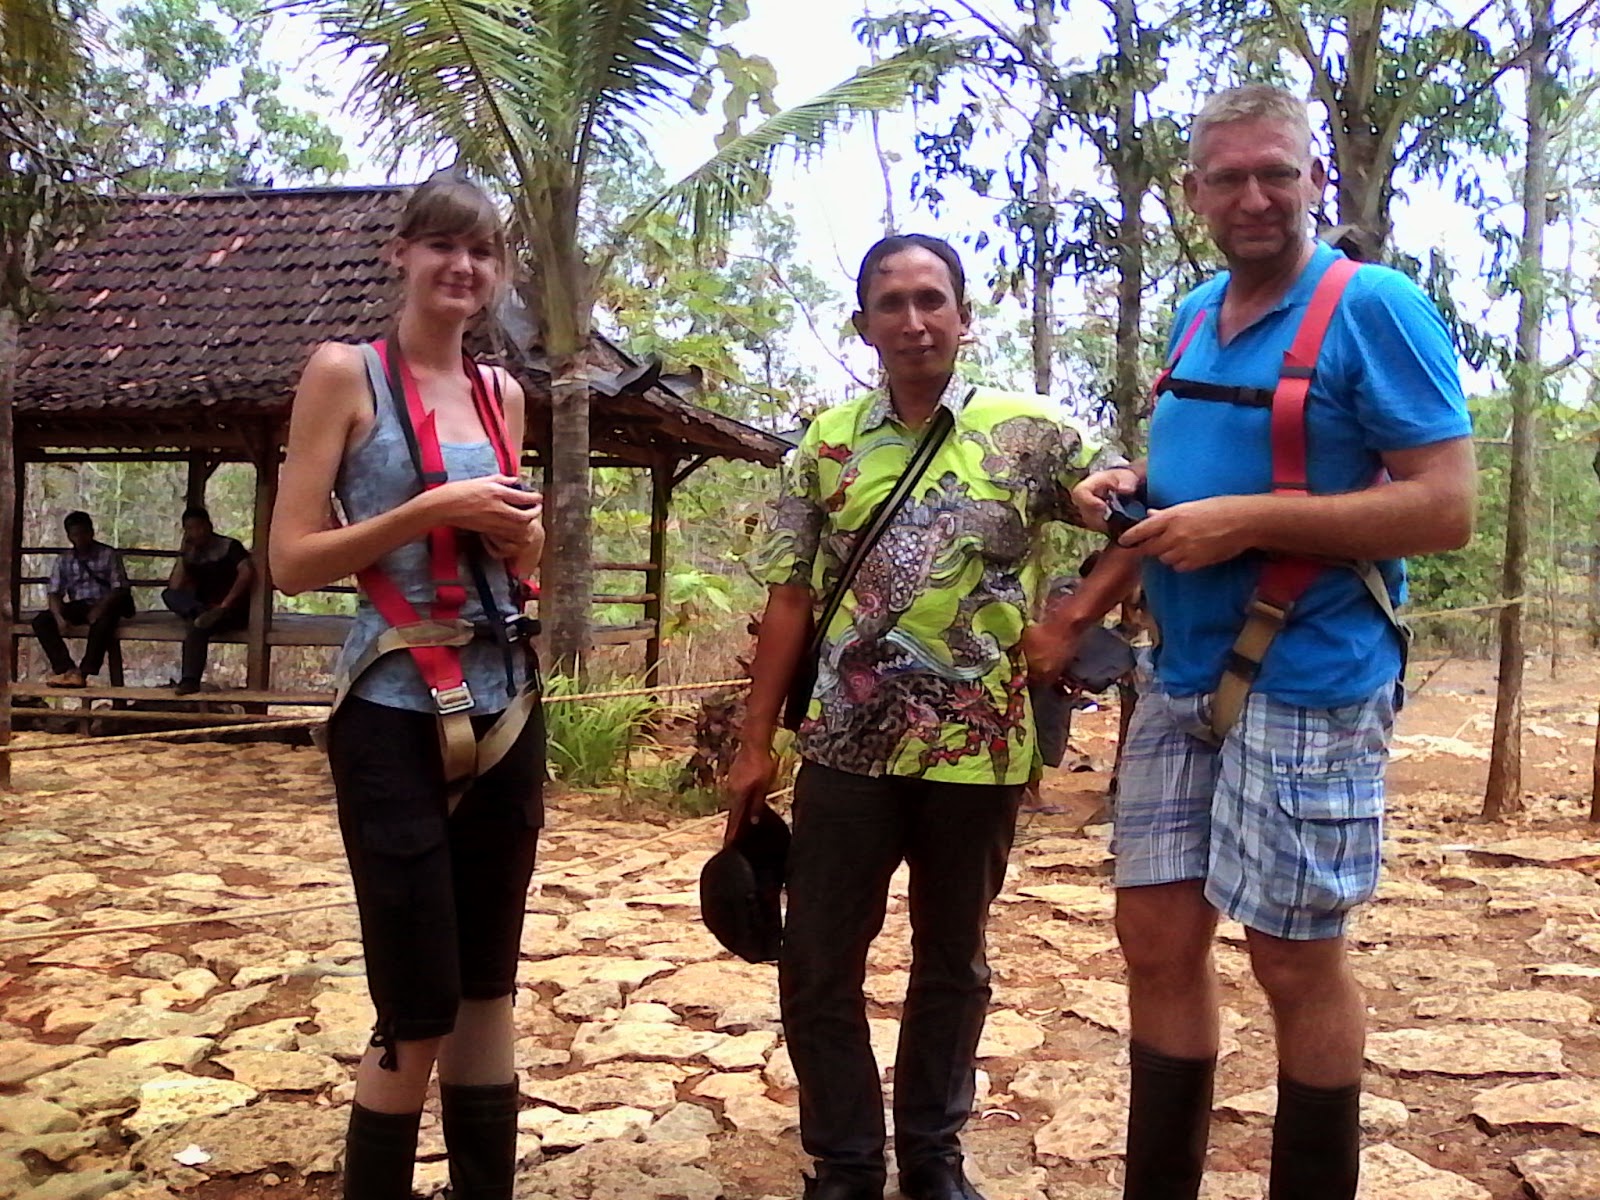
(736, 177)
(485, 75)
(629, 54)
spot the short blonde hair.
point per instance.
(1249, 102)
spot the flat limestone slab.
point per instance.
(1560, 1174)
(1465, 1050)
(1548, 1104)
(1389, 1173)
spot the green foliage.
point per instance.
(46, 181)
(181, 96)
(589, 739)
(734, 316)
(1565, 499)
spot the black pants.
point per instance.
(94, 651)
(196, 642)
(850, 833)
(440, 897)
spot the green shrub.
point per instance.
(589, 739)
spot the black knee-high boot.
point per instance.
(480, 1135)
(379, 1151)
(1169, 1123)
(1316, 1142)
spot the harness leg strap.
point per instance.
(459, 750)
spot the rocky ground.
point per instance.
(212, 1057)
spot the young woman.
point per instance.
(441, 872)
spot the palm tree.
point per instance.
(533, 94)
(40, 57)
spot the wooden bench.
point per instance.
(288, 629)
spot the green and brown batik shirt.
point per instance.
(922, 672)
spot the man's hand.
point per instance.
(749, 784)
(1091, 495)
(62, 624)
(1198, 534)
(1049, 648)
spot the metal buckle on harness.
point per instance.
(1273, 614)
(520, 628)
(452, 700)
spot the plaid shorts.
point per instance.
(1284, 821)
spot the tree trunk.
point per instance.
(890, 225)
(1594, 776)
(10, 535)
(567, 579)
(1503, 793)
(1133, 180)
(1594, 548)
(1043, 280)
(1041, 215)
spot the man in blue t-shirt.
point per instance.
(1279, 826)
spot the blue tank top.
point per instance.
(376, 476)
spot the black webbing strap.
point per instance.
(1192, 389)
(397, 397)
(883, 516)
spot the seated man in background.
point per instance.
(209, 589)
(88, 586)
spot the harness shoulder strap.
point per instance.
(1162, 376)
(1284, 578)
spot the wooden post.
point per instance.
(10, 531)
(258, 667)
(200, 471)
(17, 536)
(655, 580)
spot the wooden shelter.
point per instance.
(177, 331)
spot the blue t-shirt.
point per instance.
(1386, 379)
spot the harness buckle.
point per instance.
(452, 700)
(1274, 614)
(520, 628)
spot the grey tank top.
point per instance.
(376, 476)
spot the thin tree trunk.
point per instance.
(1593, 624)
(889, 224)
(1133, 179)
(1043, 278)
(10, 535)
(567, 580)
(1594, 776)
(1503, 793)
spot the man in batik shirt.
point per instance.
(919, 737)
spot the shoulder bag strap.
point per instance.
(883, 516)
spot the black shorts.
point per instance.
(441, 898)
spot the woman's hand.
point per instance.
(528, 543)
(491, 506)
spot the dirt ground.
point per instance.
(211, 1055)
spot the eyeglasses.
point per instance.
(1271, 179)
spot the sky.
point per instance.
(837, 199)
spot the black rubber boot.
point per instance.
(379, 1151)
(480, 1135)
(835, 1184)
(1169, 1123)
(1316, 1142)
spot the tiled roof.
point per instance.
(194, 310)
